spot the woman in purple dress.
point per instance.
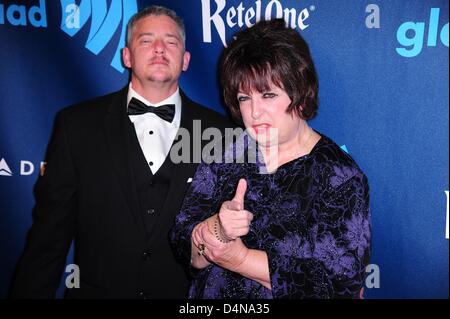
(295, 222)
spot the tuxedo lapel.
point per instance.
(117, 139)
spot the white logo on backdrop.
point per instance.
(446, 218)
(27, 168)
(4, 168)
(238, 15)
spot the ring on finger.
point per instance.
(201, 249)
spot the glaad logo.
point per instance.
(104, 23)
(17, 15)
(417, 40)
(240, 15)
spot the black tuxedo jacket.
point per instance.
(86, 194)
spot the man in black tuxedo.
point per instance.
(110, 183)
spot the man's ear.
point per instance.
(186, 59)
(126, 57)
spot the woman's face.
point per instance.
(266, 119)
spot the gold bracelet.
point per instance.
(218, 232)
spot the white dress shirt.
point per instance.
(155, 135)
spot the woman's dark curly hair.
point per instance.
(270, 52)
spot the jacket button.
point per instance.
(146, 255)
(150, 211)
(143, 295)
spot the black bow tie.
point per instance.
(166, 112)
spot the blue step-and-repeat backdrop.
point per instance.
(383, 71)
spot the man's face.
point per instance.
(156, 51)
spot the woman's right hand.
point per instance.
(233, 218)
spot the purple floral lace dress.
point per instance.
(311, 217)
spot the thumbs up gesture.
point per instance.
(234, 219)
